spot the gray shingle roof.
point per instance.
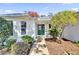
(13, 14)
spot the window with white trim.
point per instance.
(23, 27)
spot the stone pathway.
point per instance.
(39, 48)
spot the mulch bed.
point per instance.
(66, 47)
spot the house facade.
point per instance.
(23, 24)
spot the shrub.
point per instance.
(27, 39)
(54, 32)
(76, 42)
(10, 42)
(20, 48)
(5, 30)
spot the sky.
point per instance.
(40, 8)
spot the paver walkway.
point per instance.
(39, 48)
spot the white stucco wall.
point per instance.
(17, 30)
(30, 29)
(46, 30)
(72, 33)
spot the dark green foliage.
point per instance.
(27, 39)
(54, 32)
(76, 42)
(5, 30)
(11, 27)
(10, 42)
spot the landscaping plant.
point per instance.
(62, 20)
(54, 32)
(10, 42)
(27, 39)
(5, 30)
(76, 42)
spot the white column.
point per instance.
(17, 30)
(46, 29)
(31, 30)
(14, 30)
(34, 29)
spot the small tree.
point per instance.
(63, 19)
(5, 30)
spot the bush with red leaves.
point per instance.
(32, 14)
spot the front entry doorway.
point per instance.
(41, 29)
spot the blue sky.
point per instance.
(41, 8)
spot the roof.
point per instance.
(13, 14)
(18, 15)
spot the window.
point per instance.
(49, 25)
(23, 27)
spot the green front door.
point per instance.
(41, 29)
